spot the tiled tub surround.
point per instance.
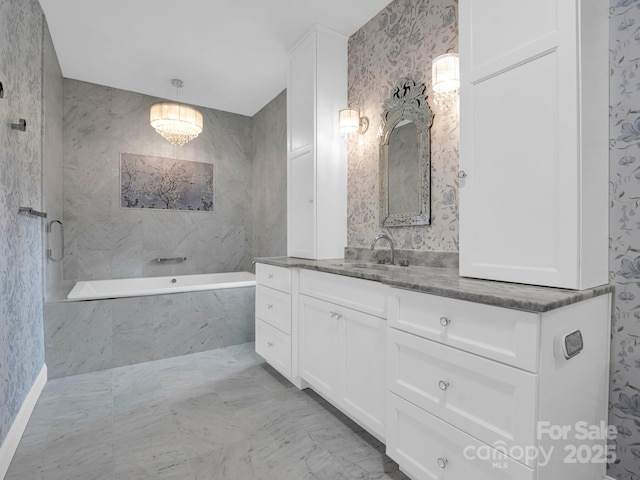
(87, 336)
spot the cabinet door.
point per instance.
(301, 95)
(320, 334)
(528, 168)
(364, 385)
(301, 207)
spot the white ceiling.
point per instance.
(231, 54)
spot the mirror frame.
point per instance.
(407, 102)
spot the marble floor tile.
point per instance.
(217, 415)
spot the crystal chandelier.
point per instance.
(176, 122)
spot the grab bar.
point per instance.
(171, 259)
(49, 251)
(31, 211)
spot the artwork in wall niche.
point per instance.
(165, 183)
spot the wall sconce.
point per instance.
(176, 122)
(445, 79)
(351, 121)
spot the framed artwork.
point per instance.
(165, 183)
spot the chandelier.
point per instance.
(176, 122)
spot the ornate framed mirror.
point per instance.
(405, 157)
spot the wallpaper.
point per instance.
(400, 42)
(21, 333)
(624, 263)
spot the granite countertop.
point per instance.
(446, 282)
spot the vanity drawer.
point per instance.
(509, 336)
(274, 277)
(274, 346)
(429, 449)
(274, 307)
(491, 401)
(362, 295)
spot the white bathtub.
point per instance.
(136, 287)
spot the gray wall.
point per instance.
(269, 185)
(103, 240)
(21, 333)
(52, 94)
(400, 42)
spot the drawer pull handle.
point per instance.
(442, 462)
(444, 321)
(443, 385)
(269, 275)
(269, 344)
(335, 315)
(269, 306)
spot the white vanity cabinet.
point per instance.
(276, 331)
(342, 344)
(316, 155)
(534, 141)
(465, 379)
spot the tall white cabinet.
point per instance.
(316, 155)
(534, 141)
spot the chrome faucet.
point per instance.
(388, 238)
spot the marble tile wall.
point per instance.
(624, 263)
(21, 334)
(103, 240)
(269, 179)
(400, 42)
(52, 109)
(83, 337)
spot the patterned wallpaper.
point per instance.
(624, 263)
(400, 42)
(21, 333)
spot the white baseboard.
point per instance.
(10, 444)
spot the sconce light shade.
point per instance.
(350, 121)
(445, 73)
(176, 122)
(445, 80)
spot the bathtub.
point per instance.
(113, 323)
(137, 287)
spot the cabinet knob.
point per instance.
(310, 201)
(462, 174)
(442, 462)
(269, 344)
(444, 321)
(443, 385)
(269, 306)
(269, 275)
